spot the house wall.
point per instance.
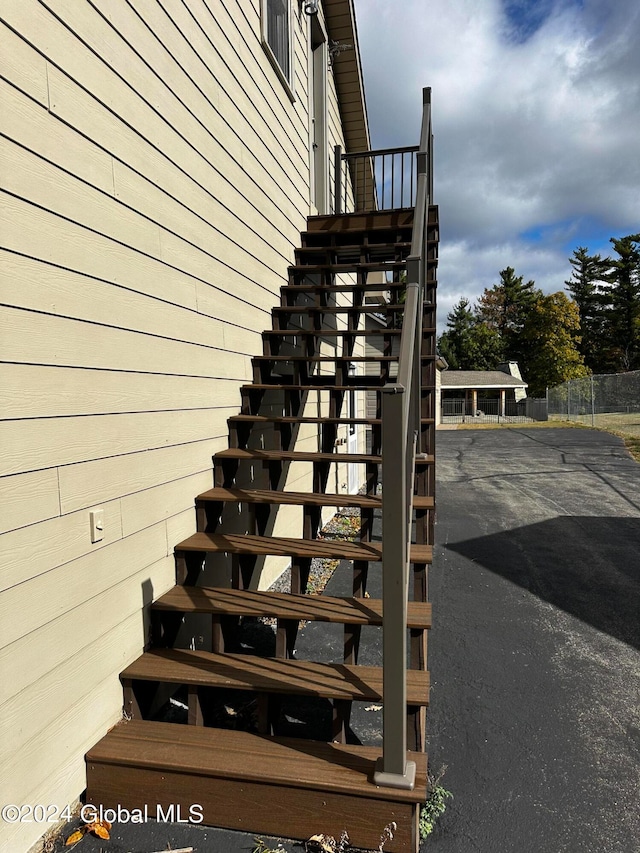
(156, 179)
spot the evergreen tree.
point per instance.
(468, 343)
(624, 293)
(586, 285)
(504, 308)
(453, 344)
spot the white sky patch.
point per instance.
(540, 137)
(468, 270)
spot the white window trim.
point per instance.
(288, 84)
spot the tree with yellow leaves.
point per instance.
(551, 333)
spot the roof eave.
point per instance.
(480, 385)
(340, 17)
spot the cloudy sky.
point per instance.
(536, 112)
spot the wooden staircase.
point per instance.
(257, 780)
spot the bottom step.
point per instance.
(286, 787)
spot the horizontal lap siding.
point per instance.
(155, 181)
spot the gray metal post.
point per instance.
(593, 404)
(393, 770)
(337, 169)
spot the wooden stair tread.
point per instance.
(235, 495)
(380, 308)
(372, 383)
(294, 419)
(306, 456)
(329, 333)
(295, 456)
(285, 386)
(271, 675)
(284, 546)
(326, 358)
(346, 267)
(343, 288)
(317, 608)
(348, 223)
(323, 333)
(390, 246)
(228, 754)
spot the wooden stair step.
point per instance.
(293, 419)
(364, 383)
(357, 248)
(347, 267)
(317, 608)
(271, 675)
(343, 288)
(280, 386)
(329, 333)
(284, 787)
(307, 456)
(235, 495)
(283, 546)
(379, 308)
(332, 333)
(319, 359)
(366, 222)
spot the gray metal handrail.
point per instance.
(401, 413)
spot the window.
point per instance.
(276, 37)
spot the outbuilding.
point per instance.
(474, 393)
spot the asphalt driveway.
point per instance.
(535, 651)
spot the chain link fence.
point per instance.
(490, 410)
(609, 400)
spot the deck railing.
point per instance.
(401, 414)
(385, 179)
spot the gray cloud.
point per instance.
(536, 140)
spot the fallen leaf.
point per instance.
(321, 842)
(74, 838)
(100, 828)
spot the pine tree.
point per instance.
(587, 287)
(453, 344)
(624, 293)
(504, 308)
(468, 343)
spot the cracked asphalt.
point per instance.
(535, 650)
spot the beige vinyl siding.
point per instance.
(155, 181)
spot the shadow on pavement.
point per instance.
(587, 566)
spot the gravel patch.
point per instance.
(345, 525)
